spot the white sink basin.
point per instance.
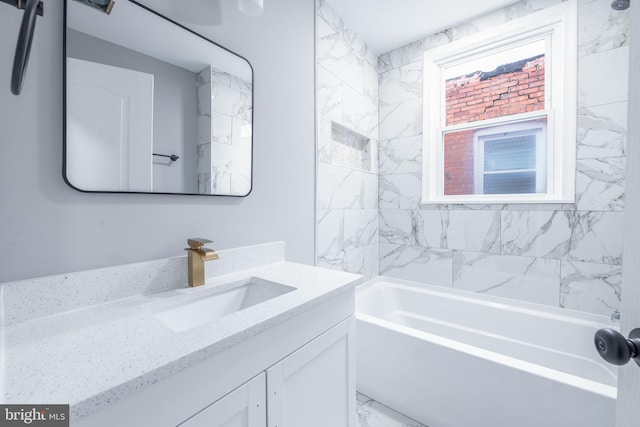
(201, 306)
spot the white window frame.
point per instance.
(558, 26)
(513, 129)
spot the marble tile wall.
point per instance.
(203, 123)
(224, 133)
(347, 176)
(561, 255)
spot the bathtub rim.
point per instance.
(508, 304)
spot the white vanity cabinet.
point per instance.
(298, 373)
(315, 386)
(246, 406)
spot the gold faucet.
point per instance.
(198, 254)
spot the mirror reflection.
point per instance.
(156, 111)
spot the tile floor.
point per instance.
(375, 414)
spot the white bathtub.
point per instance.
(451, 359)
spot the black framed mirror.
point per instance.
(153, 107)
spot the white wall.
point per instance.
(47, 227)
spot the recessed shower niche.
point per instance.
(350, 149)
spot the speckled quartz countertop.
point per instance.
(91, 352)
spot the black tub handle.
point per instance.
(23, 48)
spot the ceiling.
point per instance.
(387, 24)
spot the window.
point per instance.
(511, 159)
(500, 113)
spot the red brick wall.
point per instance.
(476, 97)
(458, 163)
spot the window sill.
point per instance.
(498, 200)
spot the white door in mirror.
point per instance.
(109, 127)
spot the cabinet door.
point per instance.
(315, 386)
(243, 407)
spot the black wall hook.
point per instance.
(173, 157)
(25, 39)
